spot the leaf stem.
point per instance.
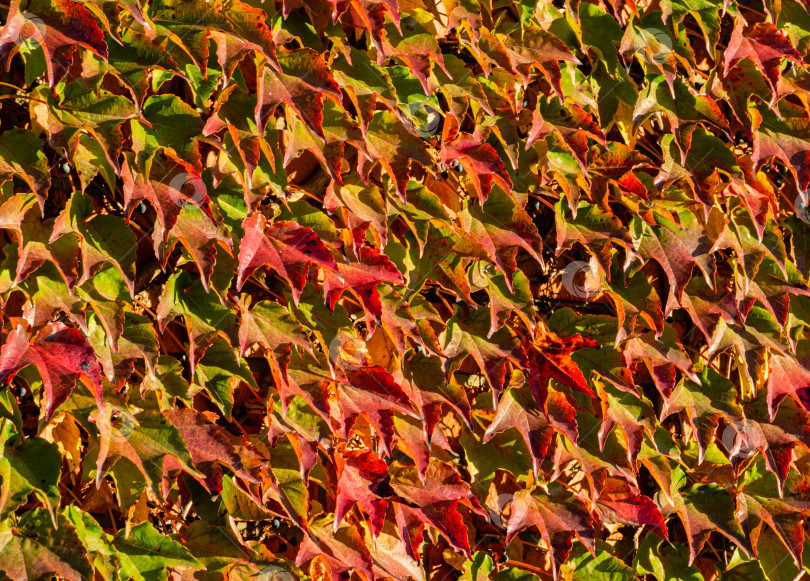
(531, 569)
(22, 97)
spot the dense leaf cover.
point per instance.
(410, 289)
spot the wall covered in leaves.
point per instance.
(407, 289)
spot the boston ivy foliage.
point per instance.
(409, 289)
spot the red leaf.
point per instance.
(342, 547)
(618, 503)
(789, 376)
(537, 426)
(549, 357)
(286, 247)
(559, 517)
(480, 160)
(250, 32)
(170, 184)
(614, 164)
(775, 437)
(207, 442)
(435, 501)
(661, 356)
(362, 477)
(61, 355)
(362, 278)
(370, 15)
(444, 516)
(304, 81)
(372, 391)
(59, 27)
(764, 44)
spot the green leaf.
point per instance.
(169, 123)
(37, 547)
(32, 466)
(203, 314)
(241, 505)
(603, 567)
(469, 336)
(775, 560)
(145, 439)
(21, 156)
(147, 555)
(665, 561)
(218, 369)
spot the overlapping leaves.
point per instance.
(404, 290)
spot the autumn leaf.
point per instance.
(479, 160)
(170, 184)
(21, 216)
(617, 502)
(783, 136)
(363, 477)
(61, 355)
(202, 312)
(361, 278)
(102, 238)
(537, 426)
(501, 226)
(707, 507)
(302, 83)
(765, 45)
(437, 500)
(343, 548)
(373, 392)
(59, 29)
(468, 337)
(558, 516)
(549, 357)
(21, 156)
(28, 550)
(271, 325)
(328, 256)
(395, 148)
(286, 247)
